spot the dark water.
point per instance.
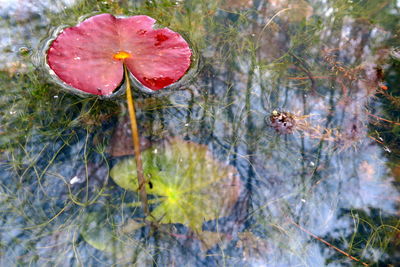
(300, 98)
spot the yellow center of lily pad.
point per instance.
(121, 55)
(173, 196)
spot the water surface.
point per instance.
(326, 183)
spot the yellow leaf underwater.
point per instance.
(190, 186)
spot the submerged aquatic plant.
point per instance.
(90, 57)
(189, 186)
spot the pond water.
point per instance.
(283, 150)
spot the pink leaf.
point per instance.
(90, 56)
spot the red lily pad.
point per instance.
(90, 56)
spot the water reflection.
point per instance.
(330, 177)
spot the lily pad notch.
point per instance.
(97, 55)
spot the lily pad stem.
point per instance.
(136, 145)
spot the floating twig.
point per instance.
(382, 119)
(327, 243)
(313, 77)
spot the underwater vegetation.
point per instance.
(190, 185)
(268, 132)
